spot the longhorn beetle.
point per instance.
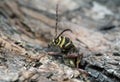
(72, 57)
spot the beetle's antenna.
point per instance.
(63, 32)
(56, 26)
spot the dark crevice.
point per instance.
(108, 27)
(95, 67)
(98, 74)
(116, 54)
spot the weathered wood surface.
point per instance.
(26, 27)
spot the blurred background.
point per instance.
(36, 18)
(27, 26)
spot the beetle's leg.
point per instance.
(71, 56)
(74, 55)
(83, 71)
(54, 53)
(85, 75)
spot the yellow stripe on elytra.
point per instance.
(59, 41)
(62, 42)
(68, 44)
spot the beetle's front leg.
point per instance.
(54, 53)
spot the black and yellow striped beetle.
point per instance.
(64, 43)
(71, 55)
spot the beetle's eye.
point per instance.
(56, 41)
